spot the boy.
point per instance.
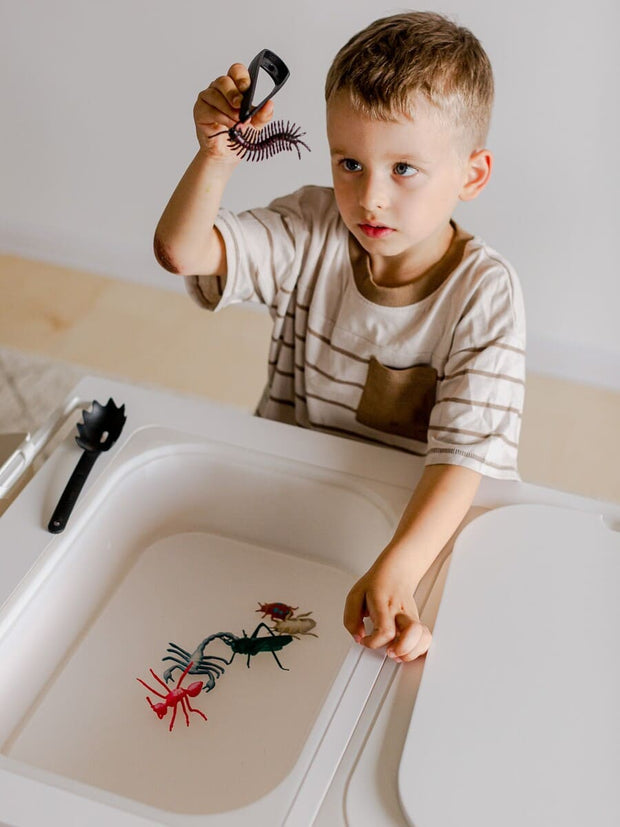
(391, 323)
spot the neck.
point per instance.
(392, 271)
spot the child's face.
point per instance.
(396, 182)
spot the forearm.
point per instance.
(386, 592)
(185, 240)
(439, 503)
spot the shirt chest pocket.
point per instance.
(398, 400)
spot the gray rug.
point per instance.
(31, 387)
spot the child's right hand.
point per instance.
(217, 110)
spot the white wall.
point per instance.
(96, 128)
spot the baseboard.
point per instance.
(584, 364)
(89, 255)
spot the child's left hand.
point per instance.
(385, 595)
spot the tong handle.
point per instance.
(277, 71)
(69, 496)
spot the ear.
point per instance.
(477, 174)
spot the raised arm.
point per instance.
(186, 241)
(385, 593)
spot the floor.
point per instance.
(57, 323)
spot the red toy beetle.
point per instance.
(277, 611)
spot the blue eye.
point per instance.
(351, 165)
(404, 170)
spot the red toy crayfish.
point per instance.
(173, 697)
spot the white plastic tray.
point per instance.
(180, 539)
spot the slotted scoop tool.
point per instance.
(98, 432)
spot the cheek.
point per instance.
(431, 195)
(344, 194)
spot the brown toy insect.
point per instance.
(296, 626)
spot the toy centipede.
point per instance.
(253, 144)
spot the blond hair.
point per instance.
(386, 65)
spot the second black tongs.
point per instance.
(98, 432)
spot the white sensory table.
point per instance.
(201, 510)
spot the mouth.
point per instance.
(375, 230)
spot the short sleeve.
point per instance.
(265, 248)
(476, 419)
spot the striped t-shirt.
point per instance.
(435, 367)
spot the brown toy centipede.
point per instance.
(256, 145)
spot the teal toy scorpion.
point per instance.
(209, 665)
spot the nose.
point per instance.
(372, 193)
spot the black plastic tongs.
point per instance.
(277, 136)
(277, 71)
